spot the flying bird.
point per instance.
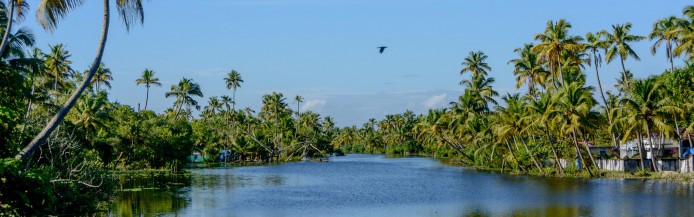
(381, 49)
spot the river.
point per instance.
(373, 185)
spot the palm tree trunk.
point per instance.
(669, 55)
(624, 71)
(679, 138)
(585, 140)
(8, 27)
(554, 150)
(641, 155)
(58, 118)
(26, 115)
(508, 144)
(597, 75)
(147, 97)
(532, 157)
(580, 155)
(654, 157)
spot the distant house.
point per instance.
(630, 148)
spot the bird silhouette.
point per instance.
(381, 49)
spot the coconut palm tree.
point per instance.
(554, 42)
(685, 34)
(618, 44)
(48, 13)
(665, 30)
(575, 102)
(479, 89)
(148, 79)
(90, 113)
(541, 111)
(475, 63)
(184, 93)
(510, 123)
(17, 9)
(102, 77)
(213, 105)
(17, 42)
(527, 69)
(58, 65)
(233, 81)
(647, 108)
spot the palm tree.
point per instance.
(213, 105)
(102, 76)
(298, 99)
(618, 44)
(646, 107)
(16, 43)
(575, 102)
(594, 44)
(527, 69)
(58, 65)
(541, 110)
(148, 79)
(475, 64)
(480, 91)
(91, 113)
(685, 34)
(510, 123)
(233, 81)
(665, 30)
(184, 92)
(17, 9)
(555, 42)
(48, 14)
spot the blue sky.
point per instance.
(325, 50)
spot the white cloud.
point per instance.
(434, 101)
(315, 105)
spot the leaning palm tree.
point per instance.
(618, 42)
(48, 14)
(555, 42)
(575, 103)
(665, 30)
(184, 92)
(648, 108)
(17, 9)
(475, 63)
(148, 79)
(103, 76)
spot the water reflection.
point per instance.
(371, 185)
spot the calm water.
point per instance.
(372, 185)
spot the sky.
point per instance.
(326, 50)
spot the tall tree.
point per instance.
(647, 107)
(48, 14)
(58, 65)
(17, 9)
(527, 69)
(103, 76)
(555, 42)
(618, 42)
(475, 63)
(148, 79)
(233, 81)
(665, 30)
(184, 92)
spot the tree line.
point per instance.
(558, 115)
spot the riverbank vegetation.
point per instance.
(61, 137)
(558, 116)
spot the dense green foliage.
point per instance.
(71, 173)
(558, 114)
